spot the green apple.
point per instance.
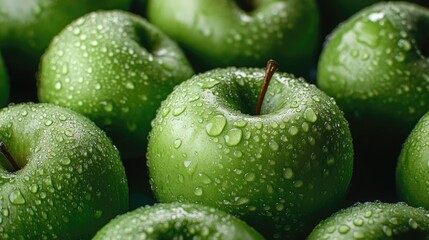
(374, 220)
(4, 84)
(376, 65)
(115, 68)
(177, 221)
(29, 26)
(412, 179)
(280, 170)
(60, 175)
(220, 33)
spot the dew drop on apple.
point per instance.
(216, 125)
(16, 197)
(179, 110)
(198, 191)
(293, 130)
(233, 137)
(250, 177)
(288, 173)
(273, 145)
(177, 143)
(204, 178)
(98, 213)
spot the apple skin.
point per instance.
(279, 171)
(374, 220)
(4, 84)
(412, 179)
(219, 33)
(71, 180)
(115, 68)
(177, 221)
(376, 65)
(30, 26)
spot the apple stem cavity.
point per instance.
(9, 157)
(271, 68)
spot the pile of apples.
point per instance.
(215, 119)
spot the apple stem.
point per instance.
(9, 157)
(271, 68)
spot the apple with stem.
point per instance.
(4, 84)
(376, 65)
(280, 169)
(115, 68)
(241, 33)
(177, 221)
(60, 175)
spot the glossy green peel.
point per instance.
(376, 65)
(70, 180)
(412, 171)
(115, 68)
(279, 171)
(177, 221)
(29, 26)
(374, 221)
(220, 33)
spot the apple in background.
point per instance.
(115, 68)
(376, 65)
(61, 177)
(280, 170)
(177, 221)
(374, 220)
(4, 84)
(30, 26)
(222, 33)
(412, 178)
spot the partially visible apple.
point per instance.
(220, 33)
(412, 170)
(374, 220)
(60, 175)
(376, 65)
(4, 85)
(177, 221)
(280, 170)
(115, 68)
(29, 26)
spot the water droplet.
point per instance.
(48, 122)
(34, 188)
(16, 198)
(358, 222)
(400, 57)
(343, 229)
(108, 107)
(404, 44)
(298, 183)
(179, 110)
(58, 85)
(210, 84)
(374, 17)
(413, 224)
(98, 213)
(198, 191)
(216, 125)
(288, 173)
(274, 145)
(204, 178)
(177, 143)
(250, 177)
(165, 111)
(387, 230)
(293, 130)
(65, 161)
(233, 137)
(240, 123)
(310, 115)
(129, 85)
(279, 207)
